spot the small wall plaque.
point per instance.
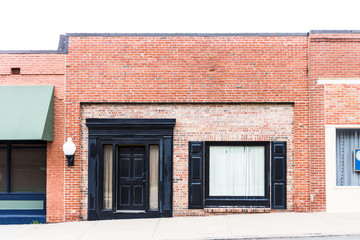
(357, 159)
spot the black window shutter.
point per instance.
(278, 175)
(195, 175)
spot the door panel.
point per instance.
(138, 199)
(124, 196)
(132, 178)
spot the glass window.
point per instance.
(107, 180)
(237, 171)
(154, 177)
(21, 204)
(28, 170)
(346, 141)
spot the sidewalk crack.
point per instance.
(81, 235)
(157, 224)
(231, 235)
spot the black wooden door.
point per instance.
(131, 178)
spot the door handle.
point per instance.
(144, 178)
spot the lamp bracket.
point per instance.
(70, 159)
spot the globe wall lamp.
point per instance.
(69, 151)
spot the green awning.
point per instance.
(27, 113)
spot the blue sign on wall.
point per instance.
(357, 159)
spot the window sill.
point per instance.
(347, 187)
(237, 210)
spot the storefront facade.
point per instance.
(173, 125)
(31, 159)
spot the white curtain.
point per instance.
(237, 171)
(154, 177)
(108, 169)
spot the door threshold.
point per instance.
(130, 211)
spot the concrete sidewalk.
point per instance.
(214, 227)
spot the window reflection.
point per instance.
(28, 170)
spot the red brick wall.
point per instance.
(44, 69)
(331, 56)
(188, 69)
(342, 104)
(200, 122)
(236, 69)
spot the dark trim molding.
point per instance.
(63, 44)
(64, 39)
(185, 34)
(198, 103)
(93, 123)
(334, 31)
(31, 51)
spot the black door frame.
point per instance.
(128, 132)
(116, 142)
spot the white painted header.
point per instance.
(339, 81)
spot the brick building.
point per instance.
(180, 124)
